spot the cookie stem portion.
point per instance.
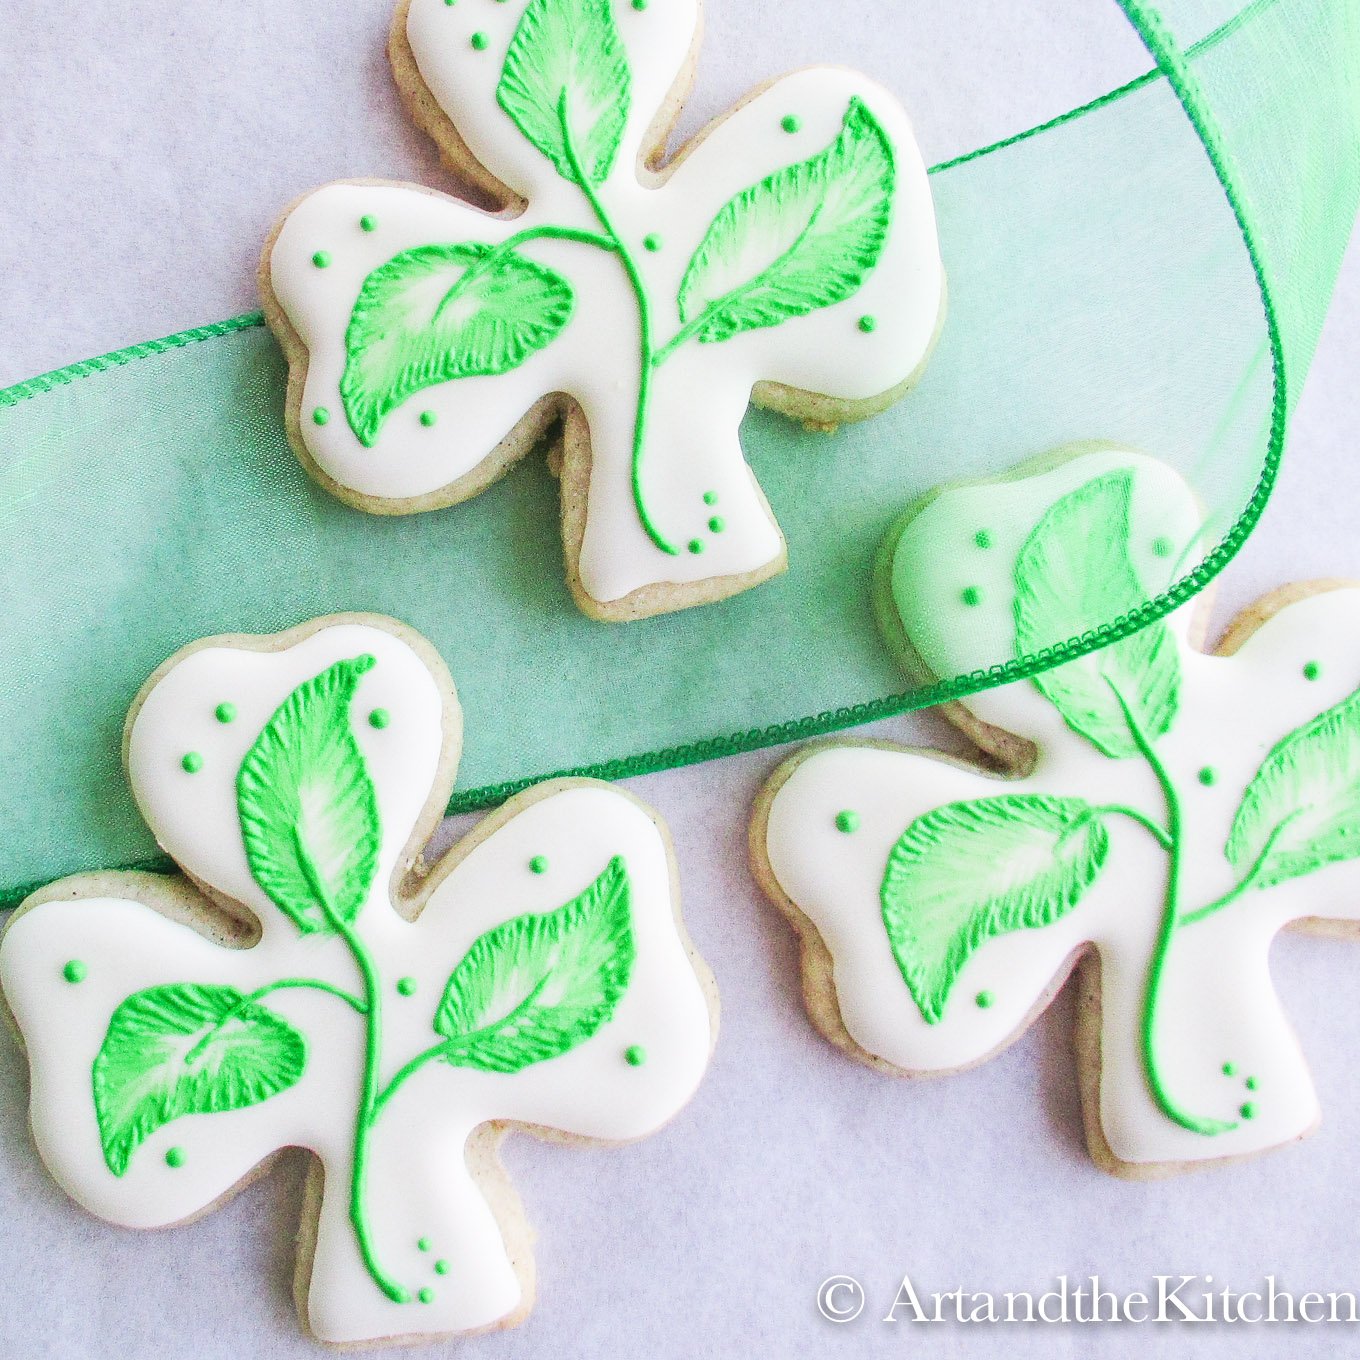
(646, 357)
(366, 1113)
(1165, 933)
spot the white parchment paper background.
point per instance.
(145, 149)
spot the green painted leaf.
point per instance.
(969, 871)
(806, 237)
(1073, 575)
(187, 1049)
(1302, 810)
(308, 810)
(567, 59)
(539, 985)
(436, 313)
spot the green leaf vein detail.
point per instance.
(1301, 811)
(186, 1049)
(538, 985)
(970, 871)
(308, 809)
(568, 53)
(804, 238)
(1074, 574)
(441, 312)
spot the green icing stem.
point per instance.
(1249, 881)
(312, 984)
(1165, 933)
(647, 358)
(450, 1052)
(368, 1098)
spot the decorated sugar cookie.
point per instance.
(1159, 816)
(305, 984)
(790, 250)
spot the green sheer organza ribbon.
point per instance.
(1151, 269)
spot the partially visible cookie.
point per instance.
(306, 983)
(1152, 811)
(789, 251)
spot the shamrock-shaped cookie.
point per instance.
(1159, 815)
(790, 250)
(306, 984)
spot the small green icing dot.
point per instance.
(479, 42)
(972, 596)
(984, 1000)
(423, 1244)
(1161, 547)
(428, 418)
(710, 498)
(1250, 1083)
(847, 821)
(868, 324)
(1312, 670)
(192, 762)
(174, 1158)
(320, 416)
(225, 713)
(790, 122)
(74, 971)
(982, 538)
(1229, 1069)
(639, 5)
(426, 1295)
(321, 259)
(406, 986)
(1248, 1111)
(441, 1267)
(450, 3)
(635, 1055)
(717, 524)
(379, 718)
(539, 864)
(696, 546)
(368, 223)
(1207, 777)
(652, 242)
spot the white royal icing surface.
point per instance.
(1218, 1003)
(419, 1186)
(700, 395)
